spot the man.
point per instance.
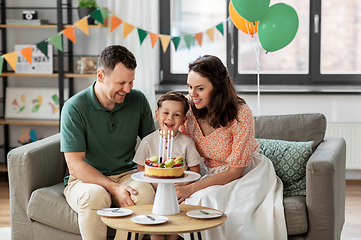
(99, 127)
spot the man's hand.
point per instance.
(122, 194)
(88, 174)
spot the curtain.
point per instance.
(144, 15)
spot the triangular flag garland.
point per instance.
(99, 14)
(142, 35)
(57, 41)
(199, 37)
(210, 33)
(165, 39)
(70, 33)
(176, 41)
(104, 12)
(11, 59)
(1, 64)
(114, 23)
(153, 38)
(188, 39)
(82, 24)
(127, 28)
(43, 47)
(220, 28)
(27, 53)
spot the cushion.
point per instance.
(295, 214)
(292, 127)
(48, 206)
(289, 160)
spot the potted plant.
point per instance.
(85, 7)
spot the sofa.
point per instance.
(39, 209)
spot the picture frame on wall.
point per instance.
(33, 103)
(40, 63)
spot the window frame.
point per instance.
(312, 78)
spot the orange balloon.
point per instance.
(241, 23)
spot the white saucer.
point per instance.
(199, 214)
(114, 212)
(143, 219)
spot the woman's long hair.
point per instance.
(224, 101)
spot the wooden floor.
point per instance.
(351, 229)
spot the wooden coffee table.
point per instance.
(178, 223)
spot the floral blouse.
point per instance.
(233, 145)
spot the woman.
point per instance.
(239, 181)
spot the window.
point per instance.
(325, 50)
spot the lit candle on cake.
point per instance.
(168, 143)
(160, 145)
(163, 145)
(171, 144)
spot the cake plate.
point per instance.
(165, 201)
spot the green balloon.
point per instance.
(251, 10)
(278, 27)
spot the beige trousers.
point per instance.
(83, 197)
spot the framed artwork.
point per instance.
(33, 103)
(39, 62)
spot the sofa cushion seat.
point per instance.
(295, 214)
(46, 203)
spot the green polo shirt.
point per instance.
(107, 137)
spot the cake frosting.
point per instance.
(171, 168)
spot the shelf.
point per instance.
(3, 167)
(12, 74)
(69, 75)
(7, 121)
(45, 26)
(75, 75)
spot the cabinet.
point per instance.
(63, 71)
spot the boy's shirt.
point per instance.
(183, 146)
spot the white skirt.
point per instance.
(253, 205)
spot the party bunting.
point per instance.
(70, 33)
(176, 41)
(97, 15)
(127, 28)
(188, 39)
(198, 37)
(43, 47)
(153, 38)
(1, 64)
(142, 35)
(56, 40)
(104, 12)
(82, 24)
(11, 59)
(27, 53)
(210, 33)
(220, 28)
(114, 23)
(165, 39)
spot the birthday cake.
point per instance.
(171, 168)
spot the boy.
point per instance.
(171, 113)
(172, 108)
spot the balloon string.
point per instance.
(247, 26)
(258, 63)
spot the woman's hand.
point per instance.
(183, 192)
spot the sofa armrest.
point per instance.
(32, 166)
(325, 189)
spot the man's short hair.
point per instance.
(114, 54)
